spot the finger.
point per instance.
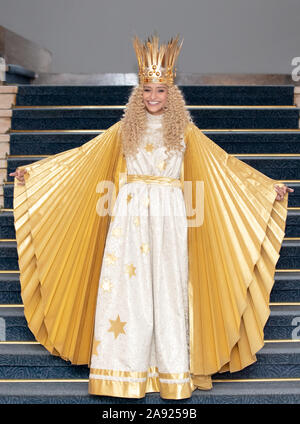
(280, 195)
(288, 189)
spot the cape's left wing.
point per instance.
(61, 229)
(232, 256)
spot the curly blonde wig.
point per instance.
(175, 118)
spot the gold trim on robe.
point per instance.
(61, 228)
(137, 384)
(154, 179)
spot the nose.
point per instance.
(153, 95)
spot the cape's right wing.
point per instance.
(60, 237)
(232, 256)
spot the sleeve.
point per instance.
(232, 256)
(60, 231)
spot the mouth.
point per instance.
(153, 103)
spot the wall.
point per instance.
(220, 36)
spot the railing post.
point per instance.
(8, 95)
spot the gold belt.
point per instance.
(150, 179)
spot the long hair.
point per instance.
(175, 119)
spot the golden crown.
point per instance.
(156, 63)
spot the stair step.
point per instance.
(7, 229)
(289, 255)
(294, 198)
(110, 95)
(286, 287)
(10, 289)
(283, 323)
(267, 391)
(278, 167)
(259, 142)
(33, 361)
(61, 119)
(30, 361)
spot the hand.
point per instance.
(281, 191)
(19, 174)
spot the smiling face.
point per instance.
(155, 97)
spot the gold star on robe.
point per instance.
(117, 326)
(149, 147)
(129, 197)
(144, 248)
(136, 221)
(95, 347)
(106, 284)
(117, 232)
(161, 165)
(110, 258)
(130, 269)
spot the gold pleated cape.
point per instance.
(232, 256)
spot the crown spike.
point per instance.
(156, 62)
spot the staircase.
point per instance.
(259, 125)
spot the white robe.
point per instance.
(141, 340)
